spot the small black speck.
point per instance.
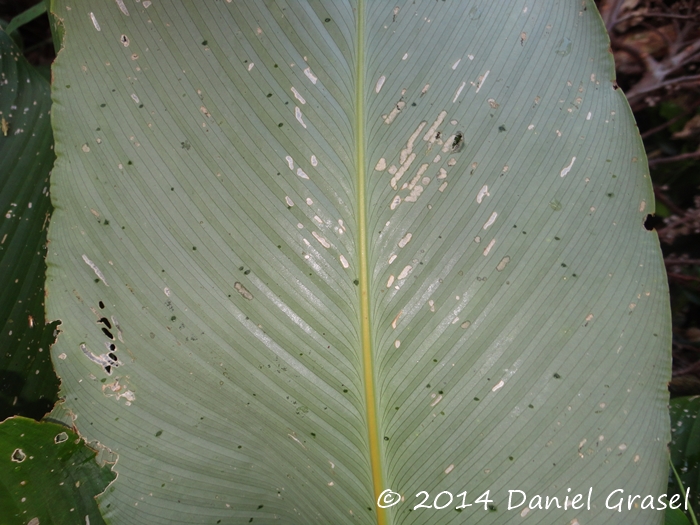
(269, 95)
(173, 318)
(386, 438)
(611, 194)
(103, 105)
(510, 458)
(563, 265)
(280, 125)
(524, 233)
(246, 272)
(327, 20)
(172, 189)
(313, 434)
(240, 446)
(356, 282)
(204, 42)
(434, 360)
(427, 386)
(129, 163)
(260, 506)
(159, 433)
(345, 390)
(574, 275)
(276, 65)
(286, 103)
(194, 248)
(501, 128)
(476, 399)
(440, 392)
(140, 106)
(557, 239)
(493, 508)
(106, 223)
(97, 280)
(396, 408)
(531, 406)
(414, 104)
(240, 268)
(556, 376)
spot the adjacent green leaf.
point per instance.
(685, 446)
(26, 16)
(28, 385)
(48, 476)
(675, 517)
(306, 252)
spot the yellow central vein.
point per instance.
(367, 357)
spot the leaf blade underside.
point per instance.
(516, 314)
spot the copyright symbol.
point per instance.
(388, 498)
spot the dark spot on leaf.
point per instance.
(327, 20)
(101, 304)
(204, 42)
(107, 333)
(173, 318)
(458, 142)
(556, 376)
(280, 125)
(356, 282)
(501, 128)
(386, 438)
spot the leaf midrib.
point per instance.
(367, 354)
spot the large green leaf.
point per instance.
(48, 476)
(28, 384)
(685, 446)
(306, 252)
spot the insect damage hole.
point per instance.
(651, 222)
(457, 142)
(243, 291)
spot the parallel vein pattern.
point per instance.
(336, 248)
